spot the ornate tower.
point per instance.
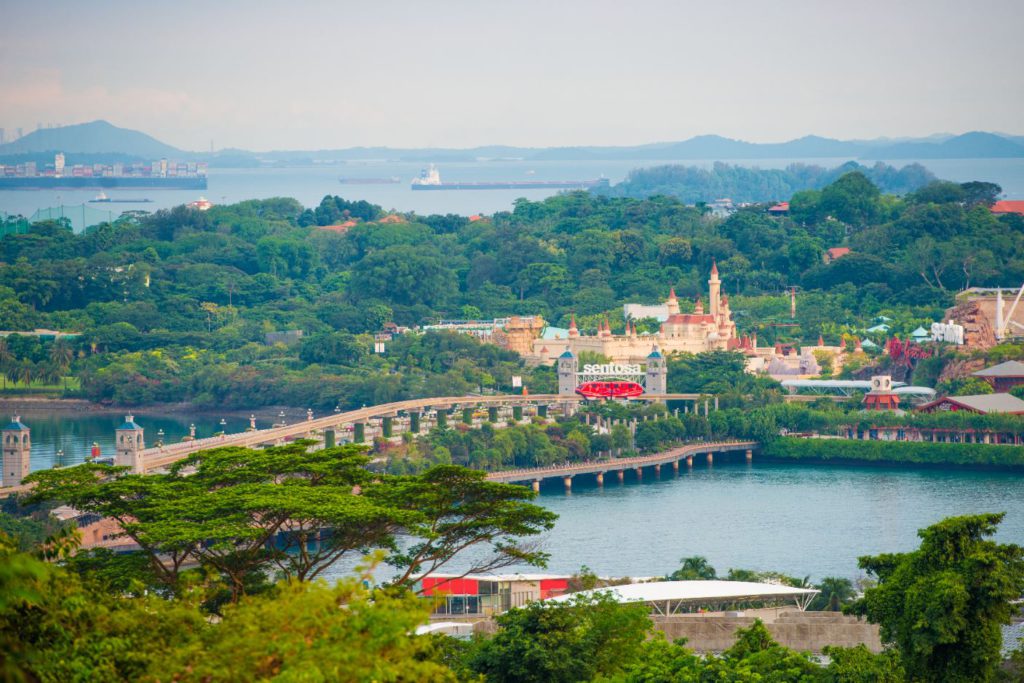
(714, 291)
(568, 366)
(129, 442)
(673, 303)
(17, 447)
(657, 373)
(573, 330)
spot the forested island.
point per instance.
(176, 306)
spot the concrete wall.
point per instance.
(803, 631)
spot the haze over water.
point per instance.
(309, 184)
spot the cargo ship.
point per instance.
(158, 175)
(370, 181)
(102, 198)
(430, 179)
(44, 182)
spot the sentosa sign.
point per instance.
(612, 369)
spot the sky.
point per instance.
(316, 75)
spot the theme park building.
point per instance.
(702, 330)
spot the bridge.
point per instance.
(162, 456)
(672, 457)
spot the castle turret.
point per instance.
(568, 366)
(573, 331)
(698, 308)
(130, 443)
(17, 448)
(657, 373)
(714, 291)
(672, 304)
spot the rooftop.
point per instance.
(986, 403)
(1011, 368)
(673, 594)
(1008, 206)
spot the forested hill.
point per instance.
(176, 305)
(694, 184)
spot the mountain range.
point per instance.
(100, 140)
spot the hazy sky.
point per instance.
(303, 75)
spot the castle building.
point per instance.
(702, 330)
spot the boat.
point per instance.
(430, 179)
(201, 204)
(102, 198)
(370, 181)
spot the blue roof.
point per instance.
(567, 354)
(129, 423)
(654, 353)
(554, 333)
(16, 423)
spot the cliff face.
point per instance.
(976, 316)
(960, 368)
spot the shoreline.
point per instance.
(30, 404)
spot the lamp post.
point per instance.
(160, 438)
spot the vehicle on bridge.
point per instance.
(610, 389)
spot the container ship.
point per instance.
(370, 181)
(430, 179)
(102, 198)
(158, 175)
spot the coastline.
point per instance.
(32, 404)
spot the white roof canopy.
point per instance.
(667, 597)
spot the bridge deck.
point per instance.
(602, 466)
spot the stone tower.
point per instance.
(568, 366)
(17, 447)
(657, 373)
(129, 442)
(714, 293)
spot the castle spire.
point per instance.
(573, 331)
(714, 268)
(672, 304)
(821, 340)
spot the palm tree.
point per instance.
(693, 569)
(835, 592)
(6, 357)
(26, 373)
(61, 355)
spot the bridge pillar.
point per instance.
(600, 478)
(387, 427)
(657, 470)
(711, 458)
(536, 485)
(414, 422)
(622, 476)
(442, 418)
(689, 461)
(359, 432)
(675, 467)
(492, 414)
(750, 455)
(329, 438)
(639, 473)
(568, 483)
(542, 410)
(467, 416)
(517, 413)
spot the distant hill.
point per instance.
(967, 146)
(99, 138)
(96, 137)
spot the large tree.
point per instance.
(943, 604)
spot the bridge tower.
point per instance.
(657, 373)
(17, 447)
(568, 366)
(129, 443)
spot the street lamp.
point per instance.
(60, 458)
(160, 437)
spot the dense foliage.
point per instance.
(694, 184)
(176, 306)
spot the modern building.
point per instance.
(982, 404)
(1004, 376)
(666, 598)
(487, 594)
(703, 330)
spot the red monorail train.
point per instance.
(610, 389)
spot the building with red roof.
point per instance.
(832, 254)
(780, 209)
(1006, 206)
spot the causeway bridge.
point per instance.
(162, 456)
(619, 466)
